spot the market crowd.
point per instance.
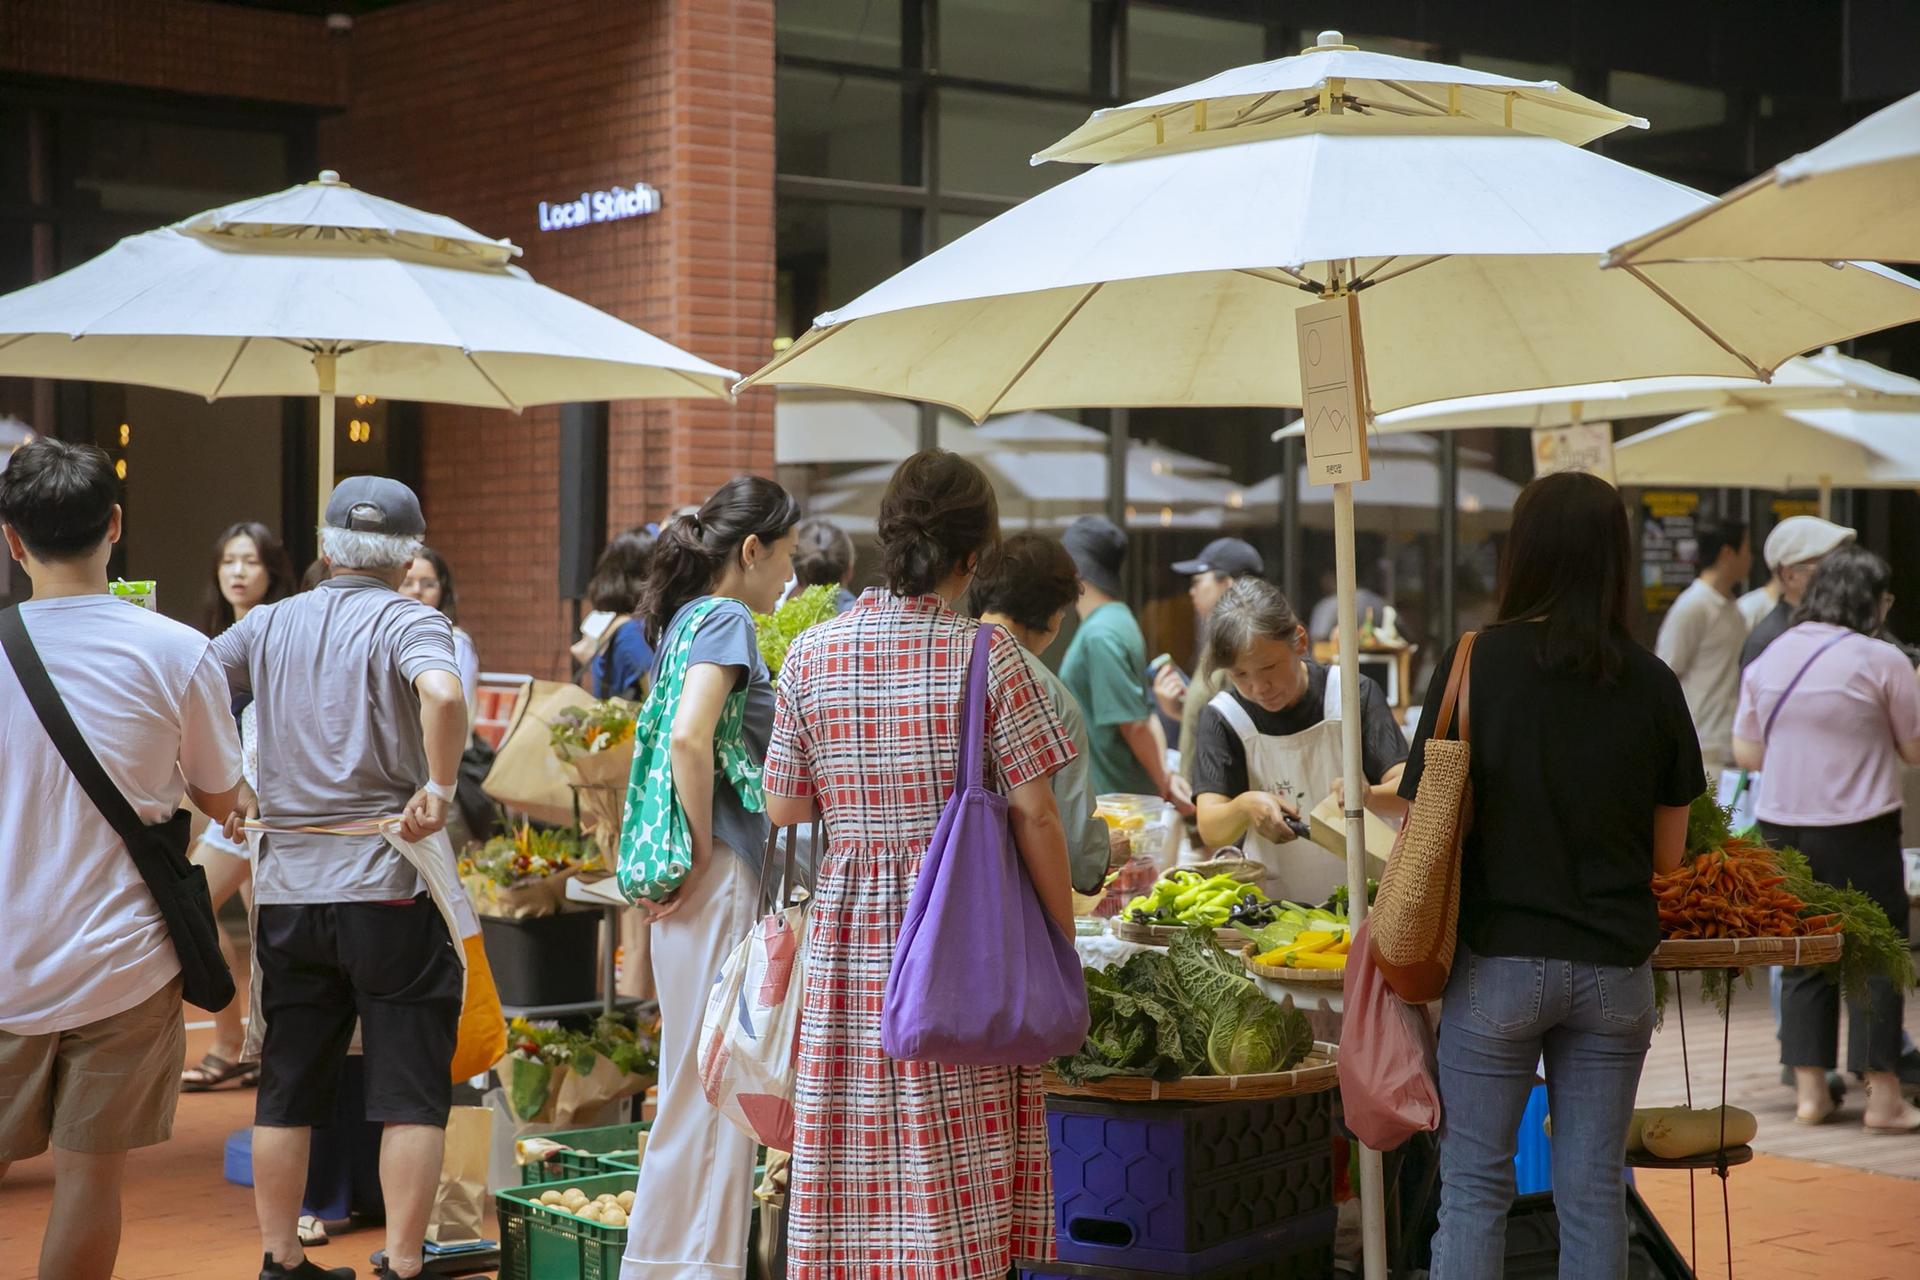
(298, 718)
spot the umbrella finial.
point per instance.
(330, 178)
(1329, 41)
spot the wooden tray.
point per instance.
(1277, 973)
(1317, 1074)
(1159, 935)
(1712, 1160)
(1746, 953)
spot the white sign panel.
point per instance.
(1586, 447)
(1332, 391)
(610, 205)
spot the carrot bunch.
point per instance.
(1734, 891)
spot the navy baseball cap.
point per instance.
(1228, 557)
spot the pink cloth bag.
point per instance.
(1389, 1088)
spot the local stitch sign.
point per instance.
(610, 205)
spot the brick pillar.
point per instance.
(481, 109)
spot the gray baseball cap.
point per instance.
(375, 504)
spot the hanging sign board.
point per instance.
(1586, 446)
(1333, 394)
(1669, 545)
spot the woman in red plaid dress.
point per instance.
(908, 1169)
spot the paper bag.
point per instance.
(459, 1206)
(529, 1086)
(1329, 823)
(526, 775)
(602, 781)
(590, 1084)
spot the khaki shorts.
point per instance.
(108, 1086)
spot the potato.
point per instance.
(613, 1218)
(626, 1201)
(590, 1212)
(551, 1197)
(1679, 1133)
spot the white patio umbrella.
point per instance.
(1827, 379)
(1777, 448)
(1853, 196)
(324, 290)
(1045, 486)
(1170, 278)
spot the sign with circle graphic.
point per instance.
(1332, 390)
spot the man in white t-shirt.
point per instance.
(91, 1043)
(1700, 637)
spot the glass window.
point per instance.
(1668, 105)
(1045, 46)
(864, 31)
(842, 126)
(1168, 48)
(167, 169)
(986, 141)
(829, 254)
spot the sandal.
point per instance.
(214, 1071)
(313, 1232)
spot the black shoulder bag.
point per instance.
(160, 852)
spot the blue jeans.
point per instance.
(1502, 1014)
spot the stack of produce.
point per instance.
(1186, 897)
(1189, 1010)
(1732, 887)
(607, 1210)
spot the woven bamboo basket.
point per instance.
(1159, 935)
(1279, 973)
(1746, 953)
(1711, 1160)
(1319, 1072)
(1245, 870)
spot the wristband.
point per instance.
(436, 789)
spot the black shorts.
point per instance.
(393, 968)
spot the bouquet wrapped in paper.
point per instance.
(552, 1075)
(595, 747)
(525, 872)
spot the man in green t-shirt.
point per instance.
(1105, 667)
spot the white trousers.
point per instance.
(693, 1202)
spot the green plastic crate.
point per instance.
(623, 1161)
(538, 1242)
(583, 1160)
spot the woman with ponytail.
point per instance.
(711, 572)
(909, 1167)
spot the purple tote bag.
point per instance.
(981, 976)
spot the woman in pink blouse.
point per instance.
(908, 1169)
(1828, 712)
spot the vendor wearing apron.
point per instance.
(1268, 748)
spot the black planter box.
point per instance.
(541, 960)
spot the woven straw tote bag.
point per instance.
(1418, 912)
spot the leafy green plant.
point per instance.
(779, 629)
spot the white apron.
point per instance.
(1302, 767)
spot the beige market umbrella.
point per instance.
(1777, 448)
(1853, 196)
(1170, 277)
(325, 290)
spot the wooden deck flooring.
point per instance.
(1753, 1082)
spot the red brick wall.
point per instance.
(480, 109)
(186, 46)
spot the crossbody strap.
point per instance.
(1766, 734)
(66, 736)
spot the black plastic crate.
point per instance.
(1183, 1190)
(538, 960)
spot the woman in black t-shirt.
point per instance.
(1584, 761)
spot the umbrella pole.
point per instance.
(323, 368)
(1373, 1222)
(1826, 497)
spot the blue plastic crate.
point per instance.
(1186, 1190)
(1533, 1154)
(1309, 1256)
(237, 1164)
